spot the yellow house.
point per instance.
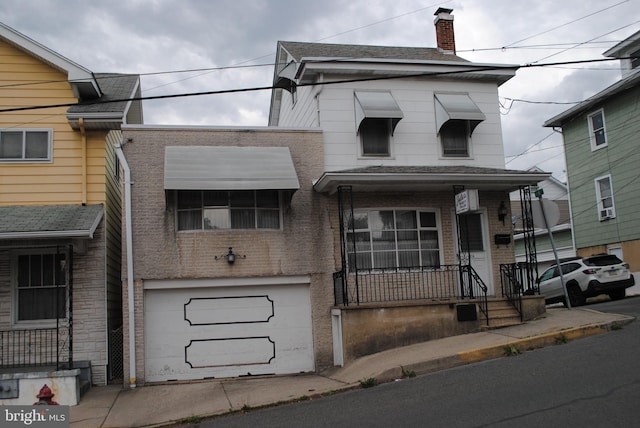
(60, 288)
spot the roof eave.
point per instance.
(330, 181)
(81, 79)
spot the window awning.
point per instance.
(286, 77)
(457, 107)
(377, 105)
(229, 168)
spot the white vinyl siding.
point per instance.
(415, 140)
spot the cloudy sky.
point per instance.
(232, 44)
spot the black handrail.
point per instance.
(35, 348)
(510, 275)
(443, 282)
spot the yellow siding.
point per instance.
(59, 181)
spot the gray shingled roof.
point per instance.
(114, 87)
(50, 221)
(327, 50)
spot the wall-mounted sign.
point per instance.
(467, 201)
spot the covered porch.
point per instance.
(429, 251)
(38, 247)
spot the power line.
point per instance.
(262, 88)
(567, 23)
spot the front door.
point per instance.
(473, 230)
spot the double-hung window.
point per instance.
(604, 196)
(454, 136)
(382, 239)
(41, 286)
(375, 135)
(212, 209)
(377, 115)
(597, 130)
(25, 145)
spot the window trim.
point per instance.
(176, 210)
(41, 323)
(600, 199)
(24, 131)
(438, 228)
(592, 131)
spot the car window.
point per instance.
(604, 260)
(549, 273)
(570, 267)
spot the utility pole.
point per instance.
(539, 193)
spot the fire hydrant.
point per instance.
(45, 397)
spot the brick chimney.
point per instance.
(444, 30)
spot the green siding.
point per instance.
(620, 159)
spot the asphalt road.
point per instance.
(591, 382)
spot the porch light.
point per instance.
(502, 212)
(230, 256)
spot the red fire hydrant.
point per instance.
(45, 397)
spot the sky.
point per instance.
(232, 45)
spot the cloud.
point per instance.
(150, 36)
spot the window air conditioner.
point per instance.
(606, 213)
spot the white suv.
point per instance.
(586, 277)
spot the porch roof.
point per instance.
(426, 178)
(49, 221)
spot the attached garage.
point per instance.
(198, 329)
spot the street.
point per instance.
(593, 381)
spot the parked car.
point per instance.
(586, 277)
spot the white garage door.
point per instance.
(210, 332)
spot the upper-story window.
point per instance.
(213, 209)
(457, 116)
(604, 196)
(454, 136)
(25, 145)
(375, 137)
(635, 59)
(597, 130)
(377, 115)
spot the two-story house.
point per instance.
(600, 143)
(413, 155)
(60, 214)
(372, 212)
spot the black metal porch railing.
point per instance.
(409, 284)
(511, 280)
(35, 348)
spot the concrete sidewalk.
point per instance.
(157, 405)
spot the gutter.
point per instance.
(129, 247)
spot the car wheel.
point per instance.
(617, 294)
(575, 296)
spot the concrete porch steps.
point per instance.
(502, 314)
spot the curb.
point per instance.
(541, 341)
(498, 351)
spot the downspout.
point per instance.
(129, 247)
(83, 168)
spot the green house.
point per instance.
(601, 147)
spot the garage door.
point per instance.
(204, 331)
